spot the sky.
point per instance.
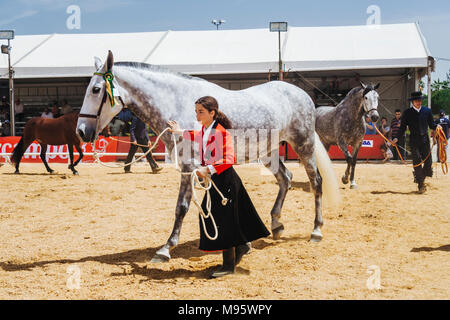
(112, 16)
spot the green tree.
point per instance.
(440, 95)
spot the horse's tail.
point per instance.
(18, 151)
(330, 185)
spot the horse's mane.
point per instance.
(154, 68)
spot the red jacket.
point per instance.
(219, 148)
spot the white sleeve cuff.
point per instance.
(212, 169)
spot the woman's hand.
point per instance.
(203, 172)
(174, 127)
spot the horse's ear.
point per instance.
(363, 85)
(377, 86)
(109, 60)
(98, 63)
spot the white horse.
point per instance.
(158, 95)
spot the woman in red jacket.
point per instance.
(238, 222)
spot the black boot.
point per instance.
(241, 250)
(422, 187)
(228, 266)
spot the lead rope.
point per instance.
(195, 183)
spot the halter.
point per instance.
(367, 89)
(108, 77)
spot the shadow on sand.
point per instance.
(131, 258)
(445, 248)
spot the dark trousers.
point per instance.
(132, 152)
(400, 143)
(420, 149)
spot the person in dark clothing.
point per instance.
(445, 124)
(418, 119)
(138, 136)
(237, 220)
(394, 134)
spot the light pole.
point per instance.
(217, 23)
(279, 27)
(6, 49)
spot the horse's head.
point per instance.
(370, 101)
(102, 101)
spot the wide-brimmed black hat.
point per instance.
(417, 95)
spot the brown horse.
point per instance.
(57, 131)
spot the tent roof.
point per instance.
(223, 51)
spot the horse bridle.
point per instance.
(105, 95)
(366, 91)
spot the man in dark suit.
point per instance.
(418, 119)
(138, 136)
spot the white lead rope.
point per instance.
(195, 183)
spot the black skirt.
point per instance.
(237, 222)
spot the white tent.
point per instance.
(223, 51)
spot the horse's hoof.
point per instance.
(51, 171)
(158, 258)
(344, 180)
(17, 172)
(316, 236)
(75, 173)
(277, 232)
(353, 186)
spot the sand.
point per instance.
(92, 237)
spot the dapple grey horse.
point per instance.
(344, 124)
(158, 95)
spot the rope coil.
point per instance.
(442, 143)
(195, 183)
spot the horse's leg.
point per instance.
(80, 152)
(348, 157)
(184, 199)
(22, 147)
(71, 166)
(43, 152)
(309, 162)
(284, 178)
(353, 184)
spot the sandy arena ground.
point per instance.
(107, 225)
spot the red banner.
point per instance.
(7, 145)
(370, 149)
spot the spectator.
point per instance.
(445, 124)
(4, 114)
(6, 128)
(5, 105)
(18, 109)
(55, 110)
(335, 86)
(370, 127)
(66, 108)
(394, 134)
(47, 113)
(386, 151)
(383, 127)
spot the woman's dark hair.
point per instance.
(210, 104)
